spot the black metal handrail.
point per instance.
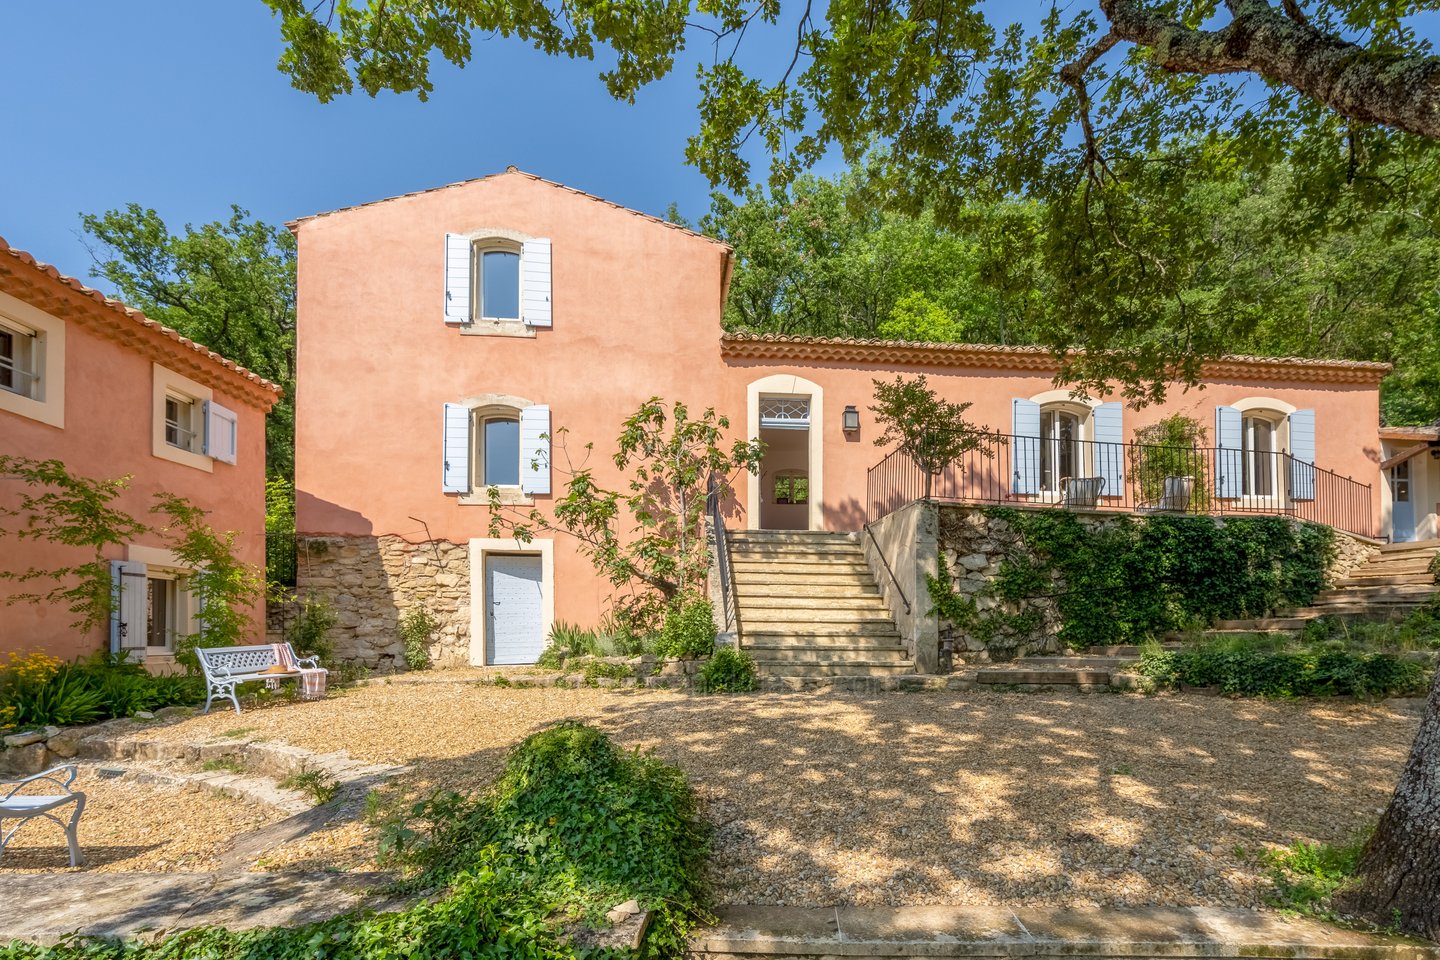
(885, 560)
(1129, 477)
(729, 602)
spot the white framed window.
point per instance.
(182, 416)
(178, 413)
(496, 442)
(32, 362)
(497, 282)
(152, 603)
(1061, 455)
(497, 450)
(495, 270)
(167, 610)
(1260, 447)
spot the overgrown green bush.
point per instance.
(689, 630)
(1419, 630)
(36, 691)
(573, 827)
(1285, 673)
(310, 633)
(1129, 579)
(727, 671)
(417, 632)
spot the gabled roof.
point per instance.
(27, 279)
(774, 346)
(511, 172)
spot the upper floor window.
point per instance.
(18, 355)
(497, 273)
(181, 414)
(499, 453)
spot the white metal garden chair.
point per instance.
(15, 805)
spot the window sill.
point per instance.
(509, 497)
(497, 328)
(185, 457)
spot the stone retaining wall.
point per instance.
(372, 581)
(974, 544)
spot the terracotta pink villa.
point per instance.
(445, 335)
(111, 393)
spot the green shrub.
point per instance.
(310, 633)
(689, 630)
(319, 786)
(1306, 875)
(727, 671)
(37, 691)
(417, 631)
(598, 669)
(1285, 674)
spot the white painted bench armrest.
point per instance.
(51, 775)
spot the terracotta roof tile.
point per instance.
(1038, 359)
(512, 171)
(121, 315)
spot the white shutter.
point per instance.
(535, 284)
(128, 608)
(457, 278)
(1302, 450)
(1229, 453)
(535, 449)
(1025, 457)
(455, 474)
(222, 432)
(1109, 422)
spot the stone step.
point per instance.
(848, 668)
(1410, 546)
(790, 536)
(1399, 565)
(751, 640)
(828, 654)
(798, 601)
(1051, 677)
(1260, 625)
(788, 547)
(759, 631)
(1391, 579)
(754, 588)
(799, 568)
(841, 559)
(1406, 592)
(1075, 662)
(1129, 650)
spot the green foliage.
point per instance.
(227, 284)
(727, 671)
(605, 670)
(1306, 875)
(1418, 631)
(36, 691)
(1129, 579)
(689, 630)
(1170, 448)
(647, 540)
(931, 432)
(319, 786)
(228, 764)
(1257, 673)
(310, 633)
(417, 631)
(279, 534)
(568, 641)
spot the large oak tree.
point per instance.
(1107, 114)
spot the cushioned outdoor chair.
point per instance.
(1081, 491)
(15, 805)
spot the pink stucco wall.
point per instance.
(637, 309)
(107, 434)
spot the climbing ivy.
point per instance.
(1128, 579)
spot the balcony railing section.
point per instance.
(1129, 478)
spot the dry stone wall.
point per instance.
(373, 581)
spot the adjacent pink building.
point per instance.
(444, 336)
(111, 393)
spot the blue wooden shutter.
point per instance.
(535, 449)
(222, 432)
(1109, 420)
(1302, 450)
(1229, 455)
(456, 471)
(457, 278)
(1025, 457)
(128, 608)
(535, 283)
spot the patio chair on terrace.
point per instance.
(1175, 495)
(1083, 492)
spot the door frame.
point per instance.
(1409, 480)
(786, 384)
(480, 549)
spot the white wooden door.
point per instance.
(514, 631)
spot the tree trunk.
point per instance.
(1398, 879)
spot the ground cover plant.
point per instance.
(1286, 673)
(573, 827)
(727, 671)
(38, 690)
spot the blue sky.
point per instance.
(177, 105)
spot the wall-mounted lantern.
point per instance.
(850, 420)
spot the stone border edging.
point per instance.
(1031, 932)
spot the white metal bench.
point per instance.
(227, 667)
(15, 805)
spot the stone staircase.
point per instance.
(1387, 587)
(809, 606)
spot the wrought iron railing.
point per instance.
(1128, 477)
(715, 510)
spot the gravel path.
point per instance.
(953, 798)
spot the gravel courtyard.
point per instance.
(925, 798)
